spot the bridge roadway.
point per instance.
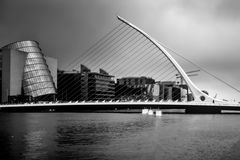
(189, 107)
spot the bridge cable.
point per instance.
(229, 85)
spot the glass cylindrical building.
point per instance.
(37, 79)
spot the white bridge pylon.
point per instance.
(198, 95)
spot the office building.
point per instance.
(165, 90)
(96, 86)
(169, 91)
(134, 88)
(69, 86)
(85, 85)
(135, 81)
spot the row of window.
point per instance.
(104, 94)
(104, 82)
(100, 77)
(34, 80)
(133, 82)
(22, 44)
(34, 55)
(104, 90)
(28, 68)
(38, 86)
(30, 49)
(35, 61)
(36, 73)
(41, 92)
(104, 86)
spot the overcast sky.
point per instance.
(206, 32)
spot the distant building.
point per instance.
(135, 81)
(144, 88)
(169, 91)
(96, 86)
(134, 88)
(69, 86)
(166, 90)
(25, 73)
(156, 91)
(85, 85)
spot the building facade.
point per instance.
(85, 85)
(143, 88)
(69, 86)
(96, 86)
(134, 88)
(135, 81)
(26, 73)
(167, 90)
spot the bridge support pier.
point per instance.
(203, 110)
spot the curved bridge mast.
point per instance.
(198, 95)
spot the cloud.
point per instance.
(229, 9)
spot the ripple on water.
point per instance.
(119, 136)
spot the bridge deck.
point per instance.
(92, 106)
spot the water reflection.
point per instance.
(94, 138)
(118, 136)
(35, 148)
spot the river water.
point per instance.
(111, 136)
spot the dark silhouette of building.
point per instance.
(176, 93)
(69, 86)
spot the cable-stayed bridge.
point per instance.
(128, 50)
